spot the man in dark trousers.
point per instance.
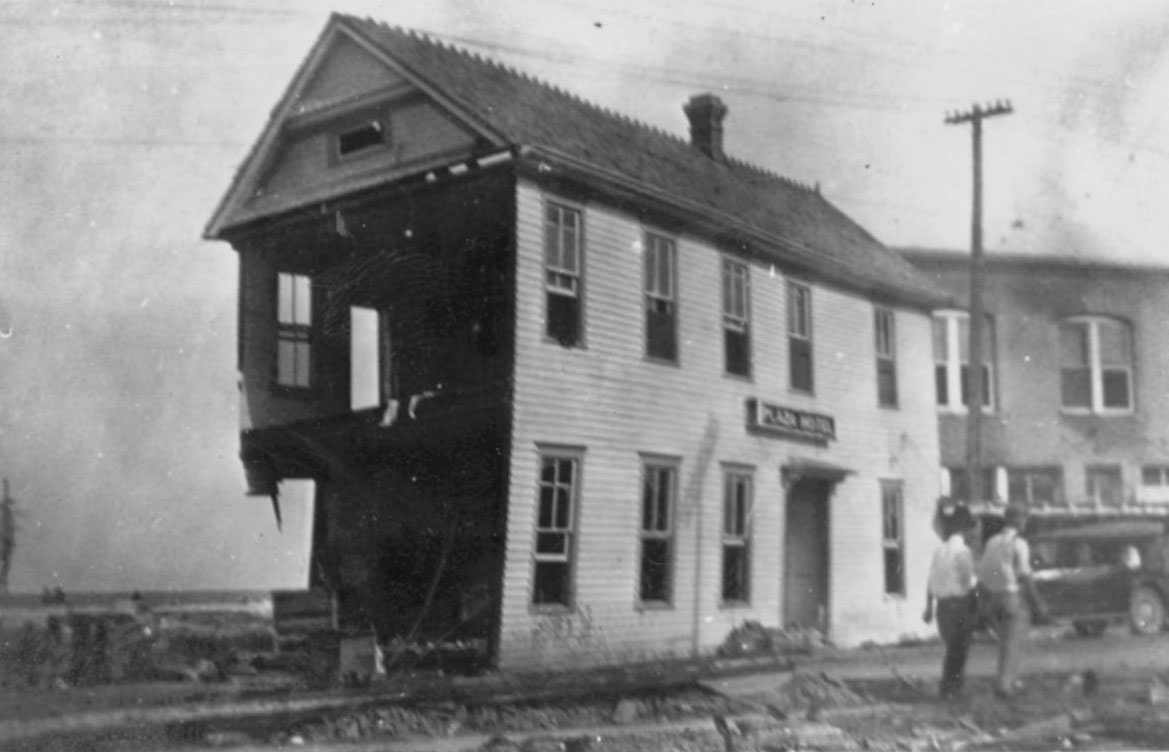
(950, 587)
(1004, 577)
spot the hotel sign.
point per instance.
(777, 420)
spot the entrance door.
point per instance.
(805, 584)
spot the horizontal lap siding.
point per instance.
(608, 399)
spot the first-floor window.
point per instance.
(1104, 484)
(893, 536)
(960, 484)
(559, 488)
(736, 537)
(658, 488)
(1034, 485)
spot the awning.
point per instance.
(800, 468)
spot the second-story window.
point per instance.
(799, 335)
(1095, 365)
(661, 316)
(736, 318)
(563, 251)
(294, 329)
(952, 360)
(886, 347)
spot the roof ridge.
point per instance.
(559, 90)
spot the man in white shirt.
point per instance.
(951, 582)
(1004, 574)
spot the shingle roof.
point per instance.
(802, 226)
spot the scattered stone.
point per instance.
(1157, 693)
(542, 744)
(626, 711)
(227, 739)
(1060, 725)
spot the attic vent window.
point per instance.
(363, 137)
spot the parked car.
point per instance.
(1103, 572)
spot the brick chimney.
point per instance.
(706, 112)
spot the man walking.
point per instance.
(950, 586)
(1004, 575)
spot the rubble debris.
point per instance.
(815, 691)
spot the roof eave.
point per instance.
(542, 163)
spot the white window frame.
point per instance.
(953, 362)
(893, 491)
(885, 323)
(732, 535)
(567, 556)
(657, 299)
(736, 306)
(1096, 368)
(561, 278)
(652, 470)
(799, 328)
(1158, 492)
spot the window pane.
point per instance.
(563, 507)
(661, 332)
(303, 364)
(941, 353)
(737, 352)
(563, 318)
(800, 363)
(666, 269)
(1114, 343)
(964, 339)
(284, 298)
(547, 507)
(302, 299)
(1073, 345)
(942, 384)
(552, 237)
(569, 243)
(655, 569)
(551, 543)
(894, 571)
(1076, 387)
(735, 574)
(551, 583)
(564, 471)
(286, 362)
(886, 382)
(1115, 388)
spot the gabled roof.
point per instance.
(773, 215)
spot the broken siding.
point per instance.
(608, 399)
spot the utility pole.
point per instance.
(7, 536)
(975, 116)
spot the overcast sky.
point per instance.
(122, 121)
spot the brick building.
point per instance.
(565, 382)
(1077, 403)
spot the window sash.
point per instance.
(735, 295)
(799, 311)
(736, 507)
(562, 239)
(893, 537)
(1095, 365)
(294, 298)
(952, 361)
(660, 261)
(884, 333)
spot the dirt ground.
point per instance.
(1105, 693)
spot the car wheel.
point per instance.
(1146, 612)
(1093, 628)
